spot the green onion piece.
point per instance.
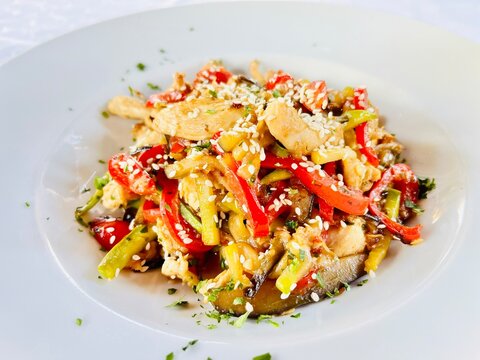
(190, 217)
(357, 117)
(392, 203)
(280, 151)
(265, 356)
(99, 184)
(119, 256)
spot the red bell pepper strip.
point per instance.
(177, 145)
(210, 74)
(167, 97)
(128, 172)
(396, 174)
(169, 213)
(360, 102)
(154, 154)
(316, 95)
(273, 213)
(109, 231)
(362, 140)
(246, 198)
(325, 187)
(305, 282)
(278, 78)
(325, 209)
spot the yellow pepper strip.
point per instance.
(276, 175)
(357, 117)
(119, 256)
(232, 257)
(297, 268)
(229, 203)
(321, 157)
(392, 203)
(237, 227)
(376, 256)
(228, 141)
(392, 206)
(208, 211)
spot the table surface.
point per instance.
(26, 23)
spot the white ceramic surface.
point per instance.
(423, 301)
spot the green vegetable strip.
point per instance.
(99, 183)
(190, 217)
(357, 117)
(392, 203)
(280, 151)
(119, 256)
(276, 175)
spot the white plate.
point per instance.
(424, 300)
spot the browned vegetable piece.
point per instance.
(267, 300)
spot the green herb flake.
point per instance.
(333, 301)
(131, 91)
(320, 280)
(191, 28)
(80, 230)
(170, 356)
(296, 316)
(211, 111)
(105, 114)
(213, 93)
(162, 51)
(265, 356)
(238, 301)
(363, 282)
(100, 181)
(153, 86)
(241, 320)
(190, 343)
(276, 94)
(425, 186)
(27, 204)
(291, 225)
(78, 321)
(346, 286)
(414, 207)
(85, 189)
(179, 303)
(141, 66)
(102, 161)
(211, 326)
(171, 291)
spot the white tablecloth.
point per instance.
(26, 23)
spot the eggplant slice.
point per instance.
(267, 299)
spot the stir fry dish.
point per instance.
(261, 192)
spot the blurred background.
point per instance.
(26, 23)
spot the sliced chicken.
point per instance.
(300, 135)
(358, 175)
(198, 119)
(128, 107)
(349, 240)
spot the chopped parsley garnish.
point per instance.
(241, 320)
(238, 301)
(102, 161)
(141, 66)
(211, 111)
(247, 111)
(346, 286)
(153, 86)
(170, 356)
(211, 326)
(414, 207)
(320, 280)
(105, 114)
(80, 230)
(27, 204)
(84, 190)
(363, 282)
(162, 51)
(213, 93)
(101, 181)
(296, 316)
(70, 109)
(190, 343)
(205, 145)
(131, 91)
(426, 185)
(333, 301)
(78, 321)
(265, 356)
(291, 225)
(191, 28)
(276, 93)
(171, 291)
(179, 303)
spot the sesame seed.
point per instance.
(110, 229)
(294, 166)
(326, 225)
(372, 274)
(244, 208)
(117, 272)
(172, 173)
(215, 218)
(211, 198)
(112, 239)
(147, 247)
(315, 297)
(178, 227)
(310, 169)
(284, 296)
(193, 175)
(298, 211)
(314, 276)
(135, 257)
(155, 167)
(251, 169)
(242, 259)
(342, 224)
(293, 286)
(208, 183)
(187, 241)
(333, 187)
(245, 146)
(248, 307)
(381, 226)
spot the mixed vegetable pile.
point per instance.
(261, 193)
